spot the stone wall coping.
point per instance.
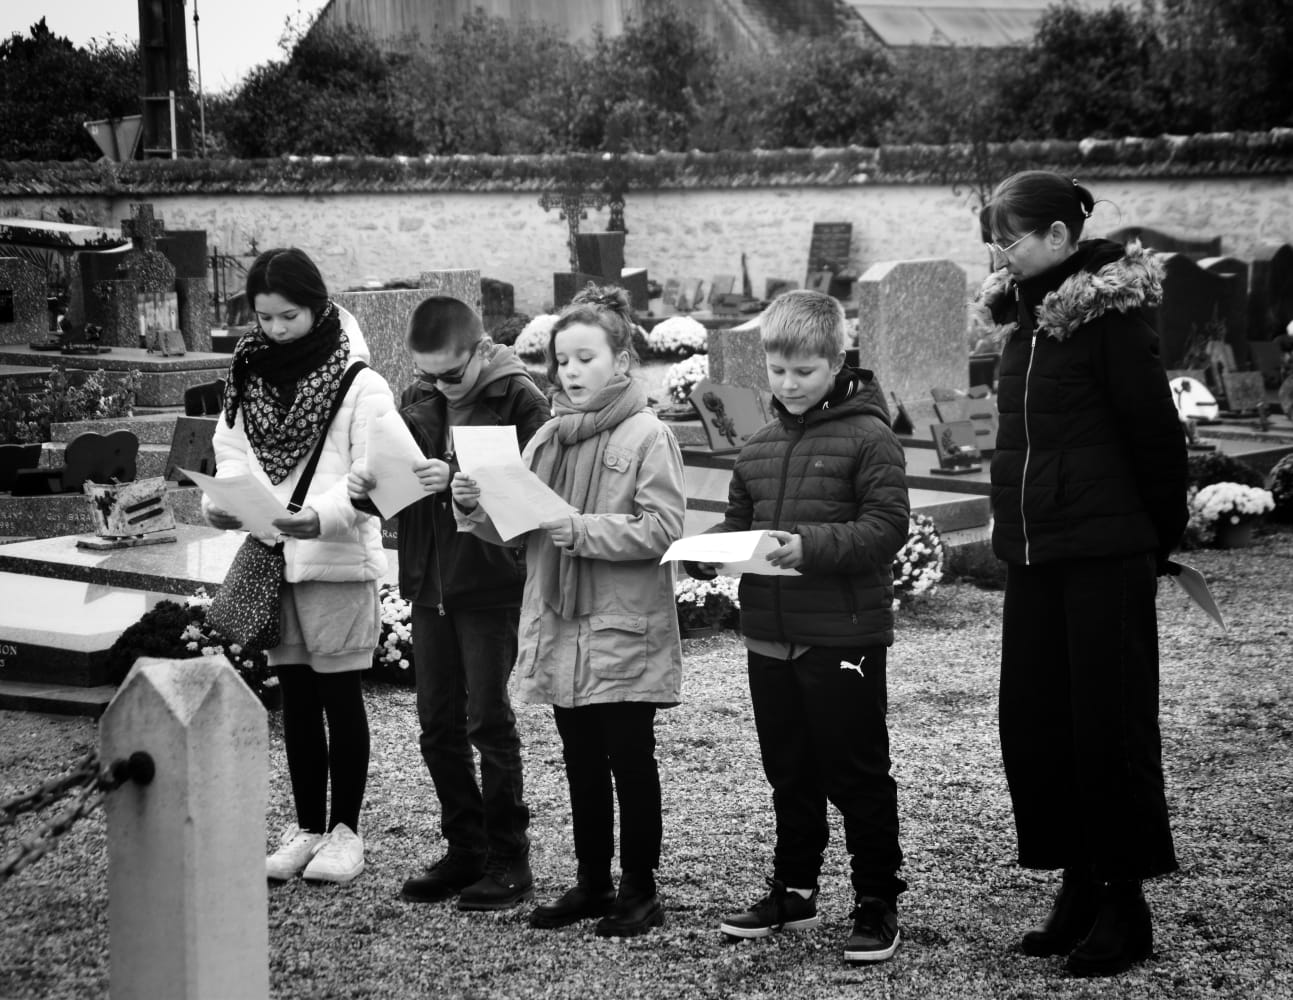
(1200, 155)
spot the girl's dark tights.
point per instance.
(315, 755)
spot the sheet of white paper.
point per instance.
(245, 498)
(735, 552)
(515, 499)
(391, 455)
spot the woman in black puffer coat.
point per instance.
(1088, 498)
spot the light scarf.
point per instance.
(570, 452)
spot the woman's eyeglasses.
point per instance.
(998, 248)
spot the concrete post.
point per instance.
(187, 900)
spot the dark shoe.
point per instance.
(1070, 919)
(444, 879)
(875, 931)
(636, 910)
(506, 882)
(1123, 933)
(779, 910)
(593, 895)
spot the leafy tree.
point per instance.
(491, 87)
(49, 88)
(336, 94)
(1086, 73)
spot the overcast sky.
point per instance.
(235, 34)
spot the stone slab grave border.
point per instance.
(163, 380)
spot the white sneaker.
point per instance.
(296, 847)
(338, 858)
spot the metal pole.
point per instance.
(202, 107)
(175, 153)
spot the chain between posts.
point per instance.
(86, 784)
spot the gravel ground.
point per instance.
(1222, 923)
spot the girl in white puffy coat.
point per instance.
(286, 372)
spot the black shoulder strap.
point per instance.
(303, 484)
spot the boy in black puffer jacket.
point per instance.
(825, 478)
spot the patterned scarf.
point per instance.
(570, 456)
(286, 391)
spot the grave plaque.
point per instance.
(191, 448)
(128, 514)
(957, 451)
(600, 254)
(1245, 391)
(729, 414)
(978, 406)
(830, 247)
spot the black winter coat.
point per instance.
(836, 477)
(438, 564)
(1090, 457)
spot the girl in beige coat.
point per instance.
(599, 627)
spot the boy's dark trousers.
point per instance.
(823, 737)
(1079, 717)
(598, 742)
(462, 661)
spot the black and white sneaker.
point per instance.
(779, 910)
(875, 931)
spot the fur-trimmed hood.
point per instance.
(1101, 276)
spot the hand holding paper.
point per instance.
(515, 498)
(1192, 582)
(245, 498)
(735, 552)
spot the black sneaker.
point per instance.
(506, 882)
(444, 879)
(779, 910)
(875, 931)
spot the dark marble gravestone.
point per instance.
(1233, 308)
(24, 314)
(1270, 291)
(1193, 311)
(1193, 245)
(16, 457)
(89, 457)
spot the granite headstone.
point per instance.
(24, 315)
(911, 328)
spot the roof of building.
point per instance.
(956, 22)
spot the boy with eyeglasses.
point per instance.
(465, 596)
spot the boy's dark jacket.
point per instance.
(1090, 457)
(438, 564)
(835, 476)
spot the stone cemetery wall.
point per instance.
(674, 231)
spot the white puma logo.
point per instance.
(845, 665)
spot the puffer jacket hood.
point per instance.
(1101, 276)
(856, 390)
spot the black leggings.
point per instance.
(307, 698)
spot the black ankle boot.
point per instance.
(637, 907)
(593, 895)
(1123, 933)
(1071, 917)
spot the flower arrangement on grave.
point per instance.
(26, 417)
(682, 378)
(918, 566)
(704, 604)
(1214, 506)
(1280, 483)
(393, 657)
(677, 337)
(531, 343)
(175, 631)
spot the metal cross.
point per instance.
(573, 203)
